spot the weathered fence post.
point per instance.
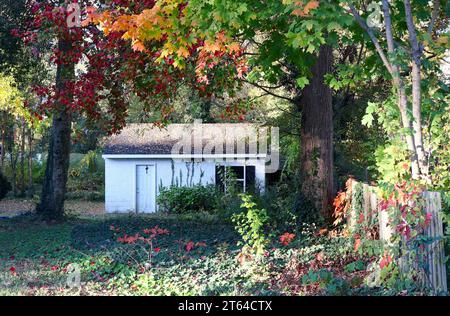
(435, 270)
(384, 227)
(364, 200)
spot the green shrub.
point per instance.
(251, 226)
(5, 186)
(228, 205)
(288, 209)
(179, 200)
(38, 172)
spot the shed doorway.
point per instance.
(145, 189)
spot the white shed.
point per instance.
(142, 158)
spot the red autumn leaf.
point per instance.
(320, 256)
(385, 261)
(189, 246)
(286, 238)
(361, 218)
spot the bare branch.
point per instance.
(266, 90)
(264, 86)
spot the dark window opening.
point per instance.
(242, 177)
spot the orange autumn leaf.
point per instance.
(234, 47)
(304, 11)
(122, 24)
(92, 17)
(310, 6)
(357, 244)
(323, 231)
(138, 46)
(211, 46)
(183, 52)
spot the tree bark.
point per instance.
(22, 158)
(317, 135)
(13, 160)
(30, 191)
(416, 55)
(56, 173)
(3, 148)
(402, 98)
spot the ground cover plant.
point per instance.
(174, 255)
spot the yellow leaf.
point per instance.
(126, 36)
(442, 40)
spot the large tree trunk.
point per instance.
(22, 158)
(56, 173)
(30, 191)
(13, 160)
(317, 135)
(4, 127)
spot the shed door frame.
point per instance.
(155, 190)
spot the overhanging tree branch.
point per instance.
(434, 16)
(372, 36)
(266, 90)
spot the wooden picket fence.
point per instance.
(434, 269)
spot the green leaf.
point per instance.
(309, 24)
(367, 120)
(302, 82)
(242, 8)
(333, 26)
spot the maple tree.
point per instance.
(279, 43)
(409, 32)
(169, 37)
(111, 70)
(151, 48)
(96, 93)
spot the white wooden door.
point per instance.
(145, 189)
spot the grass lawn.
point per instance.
(198, 256)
